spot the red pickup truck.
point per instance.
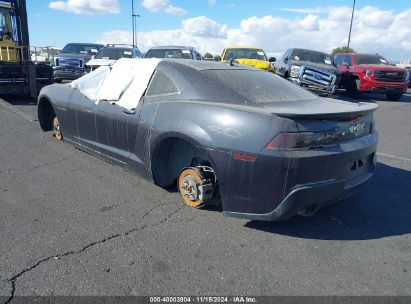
(370, 73)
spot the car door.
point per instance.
(344, 63)
(84, 112)
(116, 131)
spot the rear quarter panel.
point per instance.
(220, 131)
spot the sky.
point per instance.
(379, 26)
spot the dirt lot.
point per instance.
(72, 224)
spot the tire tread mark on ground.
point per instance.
(14, 279)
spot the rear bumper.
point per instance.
(279, 184)
(317, 194)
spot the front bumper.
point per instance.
(316, 79)
(383, 87)
(68, 73)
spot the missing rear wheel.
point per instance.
(196, 185)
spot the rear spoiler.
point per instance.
(324, 109)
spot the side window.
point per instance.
(161, 84)
(338, 60)
(347, 60)
(287, 55)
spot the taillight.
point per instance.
(301, 140)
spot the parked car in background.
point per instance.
(110, 54)
(264, 146)
(176, 52)
(247, 55)
(311, 69)
(70, 63)
(408, 71)
(370, 73)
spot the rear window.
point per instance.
(370, 59)
(259, 86)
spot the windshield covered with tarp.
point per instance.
(311, 56)
(75, 48)
(122, 84)
(370, 59)
(114, 53)
(245, 54)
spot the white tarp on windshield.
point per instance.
(124, 83)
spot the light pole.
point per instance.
(349, 34)
(134, 23)
(135, 26)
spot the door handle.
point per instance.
(128, 111)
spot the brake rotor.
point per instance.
(56, 129)
(188, 187)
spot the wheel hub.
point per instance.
(189, 188)
(195, 186)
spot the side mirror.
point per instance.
(285, 59)
(272, 59)
(217, 58)
(92, 57)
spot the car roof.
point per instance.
(314, 51)
(126, 46)
(86, 43)
(201, 65)
(119, 47)
(242, 47)
(172, 47)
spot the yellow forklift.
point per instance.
(18, 74)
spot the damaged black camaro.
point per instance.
(262, 146)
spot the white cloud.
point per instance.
(87, 6)
(342, 13)
(310, 23)
(205, 27)
(389, 34)
(312, 10)
(163, 6)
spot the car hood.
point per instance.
(100, 62)
(376, 67)
(327, 67)
(260, 64)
